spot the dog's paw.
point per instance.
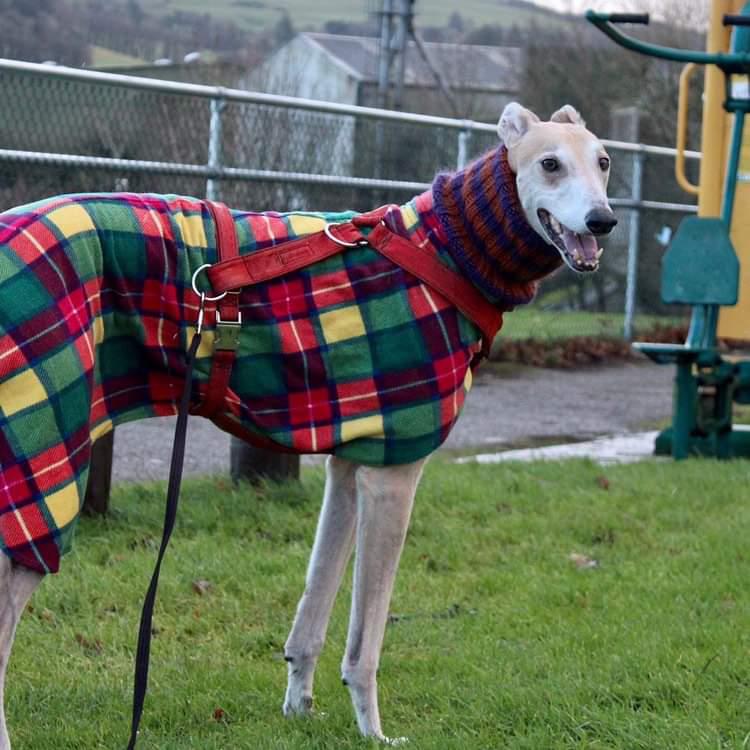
(301, 705)
(390, 741)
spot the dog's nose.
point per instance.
(600, 221)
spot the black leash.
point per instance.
(140, 683)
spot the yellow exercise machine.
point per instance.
(716, 135)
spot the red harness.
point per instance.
(234, 271)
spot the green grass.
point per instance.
(503, 642)
(532, 323)
(101, 57)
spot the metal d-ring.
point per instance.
(333, 238)
(202, 294)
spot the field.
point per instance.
(532, 323)
(101, 57)
(498, 639)
(256, 14)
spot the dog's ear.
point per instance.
(514, 123)
(568, 115)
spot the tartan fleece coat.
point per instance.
(351, 356)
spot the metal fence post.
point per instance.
(462, 148)
(636, 193)
(245, 461)
(214, 146)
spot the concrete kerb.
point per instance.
(615, 449)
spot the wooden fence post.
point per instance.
(251, 464)
(96, 500)
(246, 463)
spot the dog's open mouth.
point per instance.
(580, 251)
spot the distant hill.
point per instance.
(122, 32)
(101, 57)
(255, 15)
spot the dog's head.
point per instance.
(562, 172)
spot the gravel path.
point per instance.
(534, 403)
(509, 409)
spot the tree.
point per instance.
(283, 30)
(40, 31)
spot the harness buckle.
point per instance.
(228, 333)
(331, 236)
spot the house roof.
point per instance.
(465, 66)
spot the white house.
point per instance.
(343, 69)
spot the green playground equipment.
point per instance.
(700, 268)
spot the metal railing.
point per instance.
(257, 150)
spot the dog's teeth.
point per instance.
(555, 224)
(599, 253)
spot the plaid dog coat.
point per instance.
(351, 355)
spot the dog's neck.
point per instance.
(475, 216)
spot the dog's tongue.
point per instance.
(584, 245)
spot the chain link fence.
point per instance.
(64, 130)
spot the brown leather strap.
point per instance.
(228, 321)
(371, 218)
(234, 427)
(281, 259)
(454, 287)
(232, 272)
(295, 254)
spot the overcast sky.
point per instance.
(691, 10)
(578, 6)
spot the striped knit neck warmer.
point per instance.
(487, 233)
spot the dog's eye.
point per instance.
(604, 163)
(550, 165)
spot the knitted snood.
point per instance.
(488, 235)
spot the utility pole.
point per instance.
(396, 20)
(384, 57)
(396, 28)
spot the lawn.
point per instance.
(534, 323)
(500, 641)
(101, 57)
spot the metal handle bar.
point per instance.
(735, 62)
(729, 20)
(682, 121)
(628, 18)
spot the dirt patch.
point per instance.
(580, 351)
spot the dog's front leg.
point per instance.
(384, 502)
(334, 539)
(16, 586)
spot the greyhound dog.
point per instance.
(519, 212)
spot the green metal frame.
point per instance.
(705, 384)
(731, 62)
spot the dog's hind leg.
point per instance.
(334, 539)
(384, 501)
(16, 586)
